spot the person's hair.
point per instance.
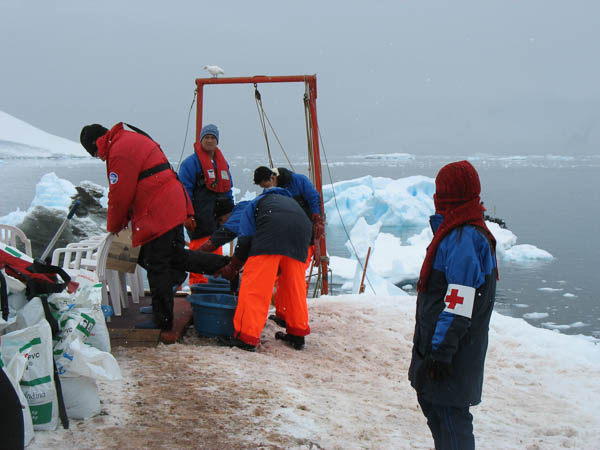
(88, 137)
(262, 173)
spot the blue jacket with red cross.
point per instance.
(453, 316)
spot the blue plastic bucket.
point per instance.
(213, 313)
(216, 288)
(216, 280)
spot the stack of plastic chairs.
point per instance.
(10, 234)
(91, 254)
(117, 282)
(80, 255)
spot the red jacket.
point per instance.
(154, 204)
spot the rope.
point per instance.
(340, 214)
(309, 130)
(261, 116)
(187, 127)
(319, 280)
(279, 142)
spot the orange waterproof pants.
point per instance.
(198, 278)
(257, 284)
(277, 297)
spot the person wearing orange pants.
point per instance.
(279, 296)
(255, 296)
(309, 199)
(274, 236)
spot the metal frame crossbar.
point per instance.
(311, 82)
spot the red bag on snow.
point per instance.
(39, 277)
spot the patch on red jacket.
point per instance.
(113, 178)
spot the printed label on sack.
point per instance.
(113, 178)
(41, 414)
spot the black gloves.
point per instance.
(208, 247)
(438, 371)
(230, 271)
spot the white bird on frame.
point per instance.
(215, 71)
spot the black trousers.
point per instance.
(12, 428)
(166, 261)
(451, 427)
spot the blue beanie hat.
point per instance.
(210, 129)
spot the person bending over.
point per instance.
(309, 199)
(274, 237)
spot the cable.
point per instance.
(308, 126)
(261, 116)
(187, 127)
(279, 142)
(339, 213)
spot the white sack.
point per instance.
(38, 380)
(81, 397)
(83, 360)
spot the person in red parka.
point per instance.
(145, 190)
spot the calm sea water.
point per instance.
(549, 202)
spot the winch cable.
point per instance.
(263, 116)
(338, 210)
(187, 127)
(309, 132)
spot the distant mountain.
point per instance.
(18, 140)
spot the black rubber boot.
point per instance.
(230, 341)
(296, 342)
(279, 321)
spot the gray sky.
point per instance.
(422, 77)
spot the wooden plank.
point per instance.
(132, 337)
(123, 332)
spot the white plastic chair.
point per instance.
(117, 283)
(9, 235)
(79, 255)
(90, 254)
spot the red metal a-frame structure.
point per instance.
(311, 82)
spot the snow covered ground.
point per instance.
(348, 389)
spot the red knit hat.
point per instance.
(455, 184)
(456, 198)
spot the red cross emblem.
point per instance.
(453, 299)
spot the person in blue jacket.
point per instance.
(207, 179)
(309, 199)
(274, 236)
(456, 294)
(299, 185)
